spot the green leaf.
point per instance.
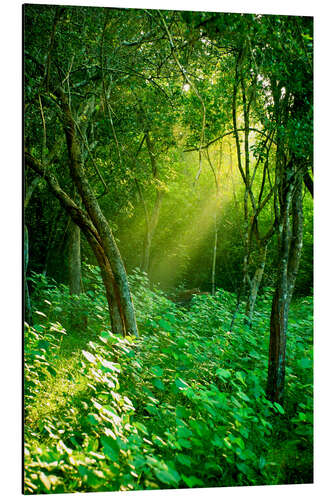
(45, 480)
(217, 441)
(40, 313)
(243, 396)
(227, 443)
(305, 363)
(184, 459)
(108, 337)
(240, 377)
(181, 384)
(166, 326)
(262, 462)
(93, 419)
(184, 432)
(243, 468)
(51, 370)
(222, 373)
(90, 357)
(158, 383)
(279, 408)
(157, 370)
(141, 427)
(185, 443)
(112, 367)
(181, 412)
(191, 481)
(110, 448)
(39, 328)
(168, 476)
(43, 344)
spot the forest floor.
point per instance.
(182, 406)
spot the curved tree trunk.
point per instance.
(107, 241)
(82, 220)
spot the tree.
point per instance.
(291, 112)
(93, 222)
(284, 80)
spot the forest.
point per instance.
(168, 249)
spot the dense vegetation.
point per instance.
(182, 406)
(167, 249)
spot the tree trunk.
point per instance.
(308, 182)
(74, 259)
(94, 240)
(255, 285)
(27, 304)
(29, 191)
(117, 323)
(50, 243)
(214, 254)
(290, 244)
(151, 224)
(107, 241)
(150, 219)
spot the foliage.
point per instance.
(183, 406)
(190, 128)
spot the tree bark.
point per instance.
(308, 182)
(74, 259)
(290, 244)
(107, 241)
(29, 191)
(214, 255)
(82, 220)
(255, 285)
(27, 303)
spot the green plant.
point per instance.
(108, 413)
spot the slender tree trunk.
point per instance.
(291, 236)
(146, 250)
(279, 314)
(152, 218)
(308, 182)
(255, 285)
(243, 169)
(74, 259)
(29, 191)
(214, 254)
(27, 303)
(74, 274)
(50, 243)
(151, 224)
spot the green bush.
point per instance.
(182, 406)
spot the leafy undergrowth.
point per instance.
(182, 406)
